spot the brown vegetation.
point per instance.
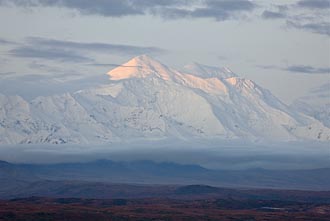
(72, 209)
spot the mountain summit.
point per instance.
(140, 67)
(147, 100)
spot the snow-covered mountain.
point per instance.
(147, 100)
(316, 104)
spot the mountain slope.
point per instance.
(145, 99)
(316, 104)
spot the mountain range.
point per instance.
(23, 180)
(146, 100)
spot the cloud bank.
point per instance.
(302, 69)
(308, 69)
(306, 15)
(219, 10)
(77, 52)
(293, 15)
(314, 4)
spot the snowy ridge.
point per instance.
(147, 100)
(205, 71)
(316, 104)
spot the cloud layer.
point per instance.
(6, 42)
(293, 15)
(303, 69)
(71, 51)
(48, 54)
(219, 10)
(307, 15)
(112, 8)
(314, 4)
(308, 69)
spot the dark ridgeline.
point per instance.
(97, 179)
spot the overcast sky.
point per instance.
(284, 45)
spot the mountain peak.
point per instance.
(205, 71)
(143, 59)
(140, 67)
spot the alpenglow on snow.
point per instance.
(144, 99)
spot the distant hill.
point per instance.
(91, 179)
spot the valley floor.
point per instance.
(72, 209)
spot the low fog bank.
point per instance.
(210, 154)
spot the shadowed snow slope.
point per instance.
(316, 104)
(147, 100)
(205, 71)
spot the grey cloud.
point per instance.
(171, 13)
(48, 54)
(160, 3)
(174, 9)
(314, 4)
(315, 27)
(282, 8)
(304, 69)
(218, 13)
(219, 10)
(6, 42)
(49, 69)
(168, 9)
(95, 47)
(110, 8)
(304, 15)
(308, 69)
(70, 51)
(277, 12)
(21, 3)
(6, 74)
(314, 20)
(267, 67)
(223, 10)
(229, 5)
(273, 15)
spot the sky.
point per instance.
(283, 46)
